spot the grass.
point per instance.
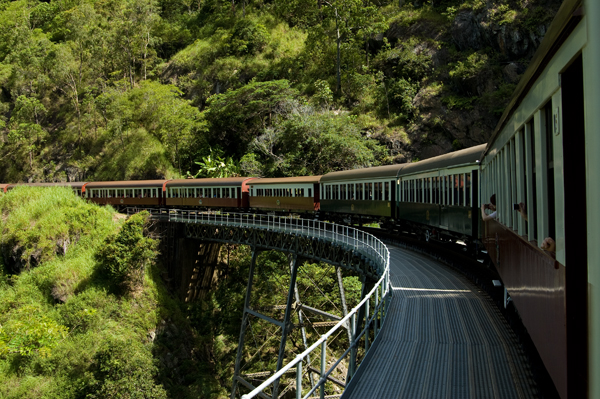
(64, 331)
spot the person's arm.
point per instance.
(523, 210)
(484, 216)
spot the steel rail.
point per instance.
(359, 240)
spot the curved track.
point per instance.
(443, 338)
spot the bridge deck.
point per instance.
(442, 338)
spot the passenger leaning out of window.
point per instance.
(491, 206)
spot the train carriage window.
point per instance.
(413, 191)
(550, 171)
(468, 189)
(417, 190)
(428, 190)
(461, 189)
(342, 191)
(309, 192)
(351, 192)
(387, 190)
(532, 210)
(513, 184)
(368, 191)
(359, 191)
(328, 191)
(402, 190)
(445, 190)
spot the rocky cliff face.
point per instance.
(477, 57)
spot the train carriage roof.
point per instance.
(126, 184)
(287, 180)
(377, 172)
(209, 182)
(461, 157)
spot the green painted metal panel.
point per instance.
(428, 214)
(358, 207)
(458, 219)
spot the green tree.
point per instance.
(236, 117)
(348, 22)
(25, 132)
(309, 143)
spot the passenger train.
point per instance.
(541, 164)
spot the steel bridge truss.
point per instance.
(316, 249)
(340, 246)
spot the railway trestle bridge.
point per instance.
(302, 239)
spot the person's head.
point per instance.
(492, 204)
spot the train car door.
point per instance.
(576, 262)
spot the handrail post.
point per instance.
(299, 380)
(323, 364)
(376, 314)
(353, 348)
(367, 325)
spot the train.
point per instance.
(540, 165)
(436, 197)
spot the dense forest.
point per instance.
(140, 89)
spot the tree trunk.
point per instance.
(339, 74)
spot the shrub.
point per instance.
(124, 370)
(125, 255)
(248, 37)
(27, 330)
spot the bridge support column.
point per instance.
(286, 320)
(238, 358)
(302, 329)
(338, 272)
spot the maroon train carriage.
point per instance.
(229, 192)
(144, 193)
(286, 194)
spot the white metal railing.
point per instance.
(365, 243)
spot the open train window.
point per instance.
(387, 190)
(550, 170)
(468, 189)
(532, 210)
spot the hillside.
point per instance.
(136, 89)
